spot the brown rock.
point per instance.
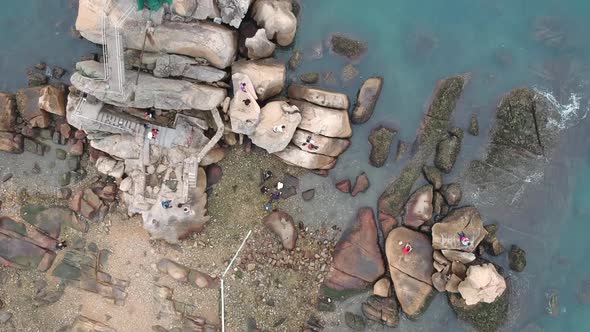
(7, 112)
(382, 287)
(357, 258)
(387, 223)
(367, 99)
(80, 134)
(77, 149)
(459, 269)
(65, 130)
(452, 285)
(319, 96)
(381, 309)
(466, 220)
(459, 256)
(418, 263)
(452, 193)
(282, 225)
(413, 295)
(344, 186)
(419, 207)
(11, 143)
(439, 281)
(53, 100)
(27, 101)
(361, 184)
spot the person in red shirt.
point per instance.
(407, 249)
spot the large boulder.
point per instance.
(151, 92)
(412, 273)
(268, 76)
(277, 18)
(53, 100)
(366, 100)
(328, 146)
(283, 226)
(276, 114)
(357, 258)
(467, 220)
(7, 112)
(120, 146)
(174, 65)
(244, 111)
(482, 284)
(259, 47)
(319, 96)
(380, 139)
(213, 42)
(524, 135)
(432, 129)
(27, 101)
(11, 142)
(419, 207)
(233, 11)
(295, 156)
(323, 121)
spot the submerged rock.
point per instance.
(517, 258)
(354, 321)
(381, 139)
(282, 225)
(277, 18)
(357, 258)
(310, 78)
(348, 47)
(366, 100)
(473, 128)
(433, 176)
(344, 186)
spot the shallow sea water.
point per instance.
(412, 44)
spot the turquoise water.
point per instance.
(412, 44)
(33, 31)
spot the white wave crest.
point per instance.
(570, 113)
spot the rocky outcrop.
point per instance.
(213, 42)
(244, 111)
(281, 224)
(276, 114)
(432, 129)
(172, 65)
(268, 76)
(419, 207)
(184, 7)
(110, 167)
(259, 47)
(412, 273)
(7, 112)
(366, 100)
(357, 259)
(277, 18)
(319, 96)
(482, 284)
(295, 156)
(465, 220)
(380, 139)
(233, 11)
(53, 100)
(448, 150)
(328, 146)
(524, 134)
(151, 92)
(323, 121)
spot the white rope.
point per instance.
(223, 275)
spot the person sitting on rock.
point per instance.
(464, 239)
(167, 204)
(310, 143)
(247, 102)
(243, 86)
(407, 249)
(266, 175)
(275, 195)
(61, 245)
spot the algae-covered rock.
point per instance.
(517, 258)
(380, 139)
(473, 128)
(484, 317)
(348, 47)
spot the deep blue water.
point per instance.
(412, 44)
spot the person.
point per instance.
(407, 249)
(264, 190)
(266, 175)
(146, 126)
(279, 129)
(61, 245)
(275, 195)
(155, 133)
(150, 135)
(267, 206)
(167, 204)
(243, 86)
(464, 239)
(310, 143)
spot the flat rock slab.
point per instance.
(319, 96)
(328, 146)
(323, 121)
(272, 115)
(295, 156)
(418, 263)
(467, 220)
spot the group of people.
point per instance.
(407, 248)
(274, 193)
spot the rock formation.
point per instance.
(357, 259)
(244, 111)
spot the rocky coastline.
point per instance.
(172, 135)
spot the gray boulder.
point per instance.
(244, 112)
(259, 47)
(319, 96)
(465, 220)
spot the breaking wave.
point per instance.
(571, 112)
